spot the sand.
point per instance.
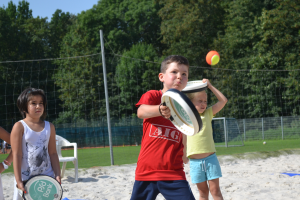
(248, 176)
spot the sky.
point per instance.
(45, 8)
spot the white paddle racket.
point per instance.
(194, 86)
(42, 188)
(184, 115)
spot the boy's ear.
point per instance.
(161, 77)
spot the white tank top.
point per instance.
(36, 159)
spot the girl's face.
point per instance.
(35, 106)
(200, 101)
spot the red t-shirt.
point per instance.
(160, 158)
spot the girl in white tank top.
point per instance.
(35, 160)
(33, 141)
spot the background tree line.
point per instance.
(253, 38)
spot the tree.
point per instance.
(59, 26)
(124, 23)
(278, 49)
(189, 27)
(135, 76)
(36, 32)
(236, 50)
(21, 37)
(240, 36)
(12, 35)
(5, 32)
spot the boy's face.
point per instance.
(200, 101)
(176, 76)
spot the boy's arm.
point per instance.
(16, 147)
(222, 99)
(149, 111)
(4, 135)
(7, 162)
(53, 154)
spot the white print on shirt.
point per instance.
(37, 157)
(165, 132)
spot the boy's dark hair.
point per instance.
(25, 97)
(173, 58)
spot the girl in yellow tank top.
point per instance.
(200, 148)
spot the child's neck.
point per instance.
(32, 120)
(164, 90)
(35, 124)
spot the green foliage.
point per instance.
(253, 38)
(78, 81)
(58, 27)
(278, 49)
(23, 37)
(189, 27)
(235, 48)
(134, 77)
(13, 38)
(124, 24)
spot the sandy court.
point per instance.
(249, 176)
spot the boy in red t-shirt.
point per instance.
(160, 165)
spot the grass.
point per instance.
(91, 157)
(258, 146)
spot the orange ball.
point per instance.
(212, 58)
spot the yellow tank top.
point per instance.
(203, 141)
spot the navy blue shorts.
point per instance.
(171, 190)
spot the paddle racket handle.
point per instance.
(164, 104)
(21, 193)
(171, 118)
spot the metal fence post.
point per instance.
(282, 127)
(244, 123)
(106, 99)
(262, 128)
(225, 132)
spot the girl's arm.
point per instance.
(16, 147)
(53, 154)
(184, 142)
(222, 99)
